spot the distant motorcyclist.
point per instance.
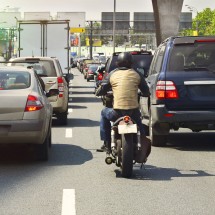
(124, 82)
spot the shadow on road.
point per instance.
(85, 99)
(77, 107)
(203, 141)
(76, 122)
(60, 154)
(81, 87)
(81, 92)
(163, 174)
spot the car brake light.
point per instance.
(60, 86)
(205, 41)
(33, 104)
(100, 77)
(166, 90)
(168, 114)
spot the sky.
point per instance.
(93, 8)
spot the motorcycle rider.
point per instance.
(124, 82)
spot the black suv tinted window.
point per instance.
(140, 61)
(198, 55)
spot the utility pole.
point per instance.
(114, 24)
(91, 40)
(192, 9)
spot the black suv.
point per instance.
(142, 61)
(182, 85)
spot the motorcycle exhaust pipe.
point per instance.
(108, 160)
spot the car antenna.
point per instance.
(32, 53)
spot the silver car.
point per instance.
(25, 111)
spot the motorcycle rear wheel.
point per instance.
(127, 155)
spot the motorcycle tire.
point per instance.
(119, 153)
(127, 155)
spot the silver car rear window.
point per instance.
(43, 68)
(10, 80)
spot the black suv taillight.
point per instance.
(166, 90)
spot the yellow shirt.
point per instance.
(125, 89)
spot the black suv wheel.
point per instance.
(157, 140)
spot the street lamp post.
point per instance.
(114, 24)
(193, 9)
(91, 40)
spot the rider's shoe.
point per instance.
(103, 148)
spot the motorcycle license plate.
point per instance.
(126, 129)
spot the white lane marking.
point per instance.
(68, 132)
(70, 110)
(68, 202)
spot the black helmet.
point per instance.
(125, 59)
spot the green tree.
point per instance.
(203, 23)
(138, 39)
(119, 40)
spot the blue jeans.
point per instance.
(109, 114)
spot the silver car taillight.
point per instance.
(33, 104)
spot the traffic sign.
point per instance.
(77, 30)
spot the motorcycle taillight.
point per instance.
(127, 119)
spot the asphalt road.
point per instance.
(177, 179)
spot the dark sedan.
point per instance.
(91, 72)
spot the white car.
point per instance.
(49, 69)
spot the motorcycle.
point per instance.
(126, 146)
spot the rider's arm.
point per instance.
(104, 87)
(143, 86)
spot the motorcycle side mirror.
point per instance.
(52, 92)
(66, 76)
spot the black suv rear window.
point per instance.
(194, 56)
(140, 61)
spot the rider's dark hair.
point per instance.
(125, 59)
